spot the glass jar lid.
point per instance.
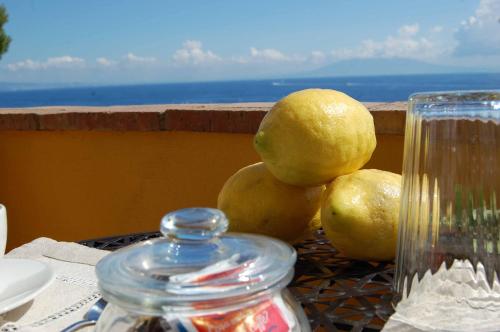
(195, 261)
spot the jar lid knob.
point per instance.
(195, 224)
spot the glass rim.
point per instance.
(452, 97)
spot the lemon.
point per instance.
(256, 202)
(312, 136)
(313, 225)
(360, 212)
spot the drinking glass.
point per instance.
(3, 229)
(449, 229)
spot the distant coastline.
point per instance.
(364, 88)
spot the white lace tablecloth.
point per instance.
(68, 298)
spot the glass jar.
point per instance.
(198, 278)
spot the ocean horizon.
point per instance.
(364, 88)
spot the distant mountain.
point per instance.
(370, 67)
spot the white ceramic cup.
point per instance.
(3, 229)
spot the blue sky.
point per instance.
(132, 41)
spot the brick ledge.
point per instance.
(226, 118)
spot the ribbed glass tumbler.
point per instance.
(449, 230)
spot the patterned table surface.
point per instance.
(338, 294)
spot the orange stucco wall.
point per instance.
(75, 185)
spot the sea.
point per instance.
(370, 88)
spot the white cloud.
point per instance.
(407, 43)
(480, 33)
(192, 52)
(25, 64)
(65, 61)
(272, 56)
(267, 54)
(105, 62)
(437, 29)
(409, 30)
(132, 58)
(317, 57)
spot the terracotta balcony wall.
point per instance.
(72, 173)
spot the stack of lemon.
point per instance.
(313, 143)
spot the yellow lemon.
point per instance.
(313, 225)
(360, 212)
(256, 202)
(312, 136)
